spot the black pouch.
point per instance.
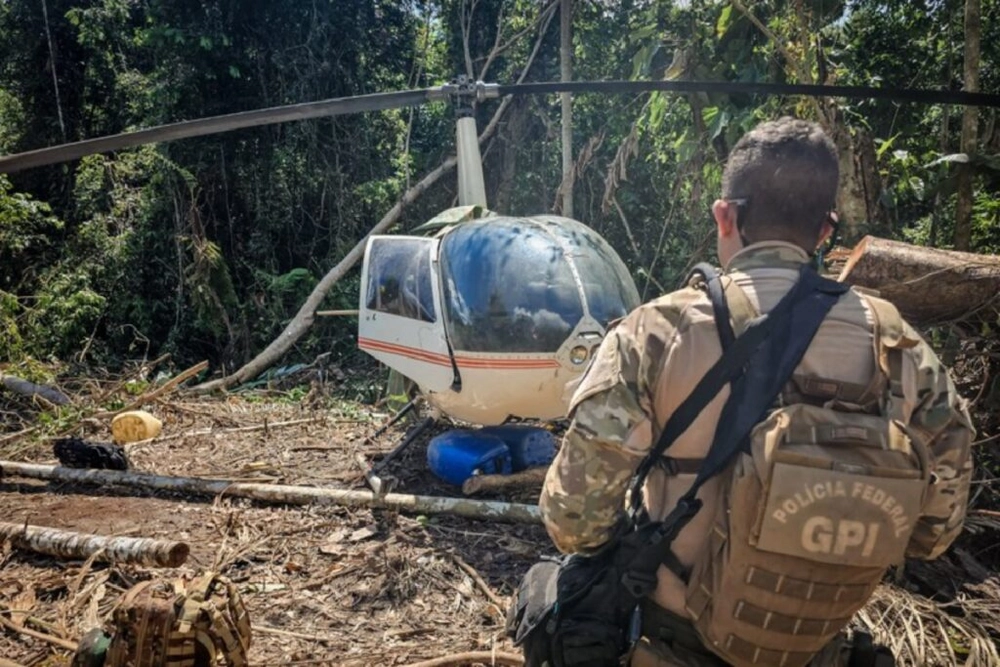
(530, 609)
(575, 612)
(78, 453)
(865, 653)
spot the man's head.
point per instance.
(779, 184)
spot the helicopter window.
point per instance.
(399, 279)
(508, 288)
(607, 285)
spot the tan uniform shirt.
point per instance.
(652, 361)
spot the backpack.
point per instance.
(196, 622)
(584, 610)
(817, 510)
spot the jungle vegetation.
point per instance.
(205, 248)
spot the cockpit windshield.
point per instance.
(609, 289)
(508, 287)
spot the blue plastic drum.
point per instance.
(530, 446)
(457, 455)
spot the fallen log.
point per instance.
(280, 493)
(928, 285)
(26, 388)
(480, 483)
(67, 544)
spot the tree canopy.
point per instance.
(206, 247)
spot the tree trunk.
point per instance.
(928, 285)
(566, 75)
(67, 544)
(511, 141)
(970, 121)
(860, 186)
(281, 493)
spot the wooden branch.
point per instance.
(478, 578)
(336, 313)
(543, 19)
(4, 662)
(485, 657)
(970, 123)
(480, 483)
(20, 629)
(465, 23)
(68, 544)
(279, 493)
(26, 388)
(304, 318)
(159, 392)
(801, 72)
(10, 437)
(295, 635)
(927, 285)
(566, 101)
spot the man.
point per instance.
(778, 191)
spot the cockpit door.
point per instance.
(401, 320)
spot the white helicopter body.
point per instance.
(494, 317)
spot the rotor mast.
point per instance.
(471, 185)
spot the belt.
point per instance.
(675, 631)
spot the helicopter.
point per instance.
(492, 317)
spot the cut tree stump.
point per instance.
(927, 285)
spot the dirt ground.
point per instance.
(358, 587)
(323, 585)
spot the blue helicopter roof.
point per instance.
(523, 284)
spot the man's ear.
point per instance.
(725, 218)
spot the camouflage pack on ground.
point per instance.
(184, 622)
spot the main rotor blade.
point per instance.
(959, 97)
(381, 101)
(213, 125)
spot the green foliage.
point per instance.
(11, 343)
(207, 247)
(26, 230)
(64, 313)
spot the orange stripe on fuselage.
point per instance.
(517, 363)
(404, 351)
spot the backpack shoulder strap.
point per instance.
(891, 336)
(723, 292)
(758, 365)
(705, 273)
(740, 308)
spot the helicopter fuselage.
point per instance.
(493, 318)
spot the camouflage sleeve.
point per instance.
(941, 416)
(583, 498)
